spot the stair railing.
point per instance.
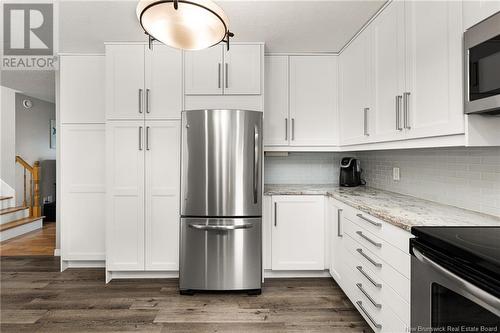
(34, 186)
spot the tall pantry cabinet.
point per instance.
(143, 108)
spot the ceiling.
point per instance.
(285, 26)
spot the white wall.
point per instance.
(7, 136)
(32, 135)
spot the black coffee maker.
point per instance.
(350, 172)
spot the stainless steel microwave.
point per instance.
(482, 66)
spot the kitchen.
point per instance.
(337, 172)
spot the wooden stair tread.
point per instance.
(17, 223)
(11, 210)
(5, 198)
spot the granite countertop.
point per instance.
(403, 211)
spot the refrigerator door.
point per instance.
(221, 171)
(220, 254)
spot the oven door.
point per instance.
(444, 301)
(482, 66)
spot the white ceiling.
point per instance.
(285, 26)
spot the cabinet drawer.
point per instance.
(391, 234)
(381, 319)
(380, 268)
(388, 252)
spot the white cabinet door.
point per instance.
(334, 218)
(354, 89)
(125, 195)
(298, 233)
(203, 71)
(388, 73)
(276, 120)
(82, 199)
(474, 11)
(242, 70)
(162, 144)
(125, 81)
(313, 100)
(434, 68)
(163, 70)
(81, 82)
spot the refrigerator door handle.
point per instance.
(256, 163)
(221, 227)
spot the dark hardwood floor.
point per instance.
(36, 297)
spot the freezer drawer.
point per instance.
(220, 254)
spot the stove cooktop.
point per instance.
(476, 249)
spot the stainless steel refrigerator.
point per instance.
(221, 201)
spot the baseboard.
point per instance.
(57, 252)
(111, 275)
(295, 274)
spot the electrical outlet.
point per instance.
(395, 173)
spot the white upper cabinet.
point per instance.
(276, 101)
(81, 82)
(434, 90)
(242, 70)
(162, 144)
(143, 83)
(355, 90)
(125, 149)
(203, 71)
(217, 71)
(313, 100)
(474, 11)
(125, 81)
(298, 233)
(163, 75)
(388, 73)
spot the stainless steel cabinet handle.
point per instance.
(360, 304)
(219, 76)
(140, 137)
(148, 106)
(373, 262)
(221, 227)
(485, 299)
(275, 214)
(361, 216)
(226, 73)
(360, 233)
(406, 105)
(286, 129)
(256, 163)
(339, 219)
(293, 129)
(140, 100)
(365, 120)
(398, 113)
(375, 304)
(368, 277)
(147, 137)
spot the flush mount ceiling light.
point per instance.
(184, 24)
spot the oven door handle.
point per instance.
(485, 299)
(221, 227)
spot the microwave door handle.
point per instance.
(475, 74)
(487, 300)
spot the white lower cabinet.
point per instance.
(298, 233)
(142, 161)
(334, 214)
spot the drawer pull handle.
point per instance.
(360, 233)
(361, 216)
(375, 304)
(377, 325)
(368, 277)
(373, 262)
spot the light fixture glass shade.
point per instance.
(194, 25)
